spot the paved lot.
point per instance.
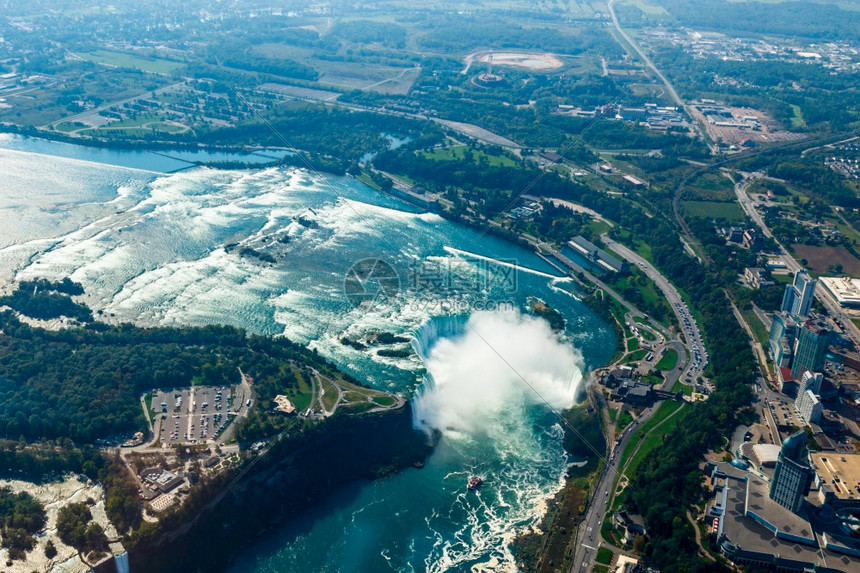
(195, 415)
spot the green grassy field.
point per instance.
(757, 326)
(731, 212)
(653, 440)
(455, 152)
(712, 187)
(123, 60)
(636, 356)
(604, 556)
(663, 412)
(669, 361)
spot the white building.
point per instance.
(809, 406)
(846, 291)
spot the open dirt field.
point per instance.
(522, 60)
(820, 258)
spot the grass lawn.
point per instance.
(364, 177)
(712, 187)
(653, 440)
(456, 152)
(123, 60)
(644, 250)
(632, 344)
(330, 395)
(623, 419)
(604, 556)
(731, 212)
(668, 361)
(384, 400)
(797, 120)
(665, 409)
(757, 326)
(636, 356)
(301, 397)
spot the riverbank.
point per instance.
(550, 547)
(293, 476)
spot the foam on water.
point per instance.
(492, 377)
(167, 250)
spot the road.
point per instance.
(750, 207)
(82, 117)
(669, 87)
(690, 327)
(588, 532)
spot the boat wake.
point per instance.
(493, 380)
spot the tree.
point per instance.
(72, 521)
(50, 550)
(639, 544)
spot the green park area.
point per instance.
(458, 152)
(668, 361)
(131, 61)
(730, 212)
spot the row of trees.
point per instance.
(84, 383)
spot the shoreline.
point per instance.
(546, 505)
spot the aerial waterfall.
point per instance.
(121, 561)
(487, 363)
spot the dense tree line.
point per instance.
(802, 19)
(76, 528)
(84, 383)
(45, 304)
(21, 517)
(370, 32)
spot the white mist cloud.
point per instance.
(477, 375)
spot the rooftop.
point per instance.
(841, 472)
(845, 290)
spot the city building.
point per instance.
(760, 455)
(798, 296)
(597, 255)
(755, 531)
(792, 475)
(837, 478)
(634, 182)
(783, 332)
(846, 291)
(756, 278)
(811, 347)
(809, 406)
(751, 239)
(633, 113)
(812, 381)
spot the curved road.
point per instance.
(690, 328)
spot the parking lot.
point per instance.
(698, 354)
(195, 415)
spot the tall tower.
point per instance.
(812, 342)
(491, 63)
(792, 475)
(798, 296)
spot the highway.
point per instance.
(669, 87)
(588, 532)
(750, 207)
(690, 328)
